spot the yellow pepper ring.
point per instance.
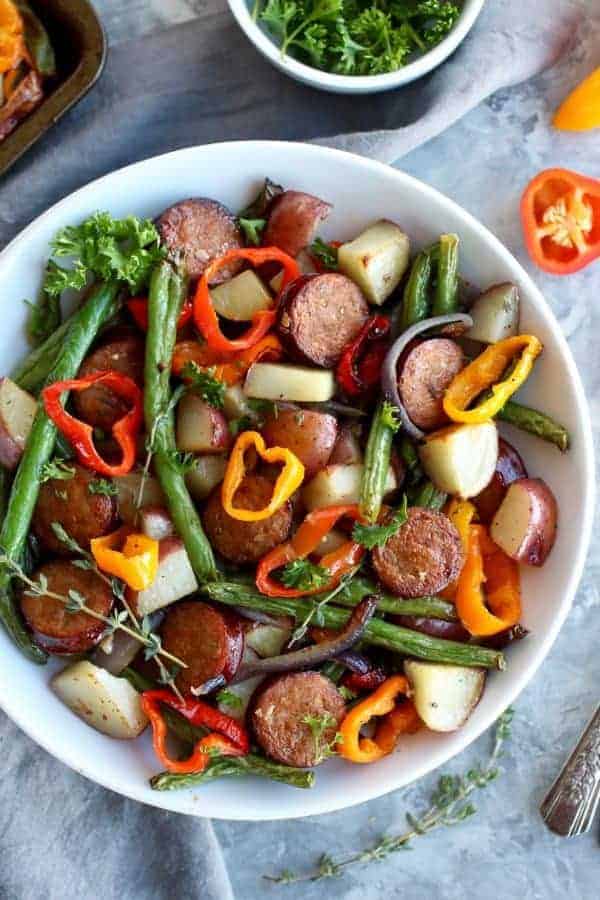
(289, 480)
(136, 563)
(484, 373)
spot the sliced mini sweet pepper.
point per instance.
(359, 749)
(289, 479)
(499, 608)
(230, 368)
(560, 213)
(580, 111)
(81, 435)
(359, 368)
(305, 541)
(138, 307)
(461, 513)
(205, 316)
(484, 372)
(129, 556)
(12, 45)
(227, 737)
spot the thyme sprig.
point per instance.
(450, 804)
(314, 617)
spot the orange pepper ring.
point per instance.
(136, 563)
(362, 749)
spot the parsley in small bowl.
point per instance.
(356, 46)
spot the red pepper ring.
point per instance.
(205, 316)
(306, 540)
(228, 737)
(81, 435)
(359, 368)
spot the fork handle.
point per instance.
(569, 808)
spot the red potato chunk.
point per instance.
(311, 436)
(525, 524)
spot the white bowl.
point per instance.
(361, 191)
(354, 84)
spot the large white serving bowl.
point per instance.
(360, 192)
(423, 63)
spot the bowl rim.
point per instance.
(441, 754)
(356, 83)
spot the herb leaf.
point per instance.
(259, 207)
(230, 699)
(388, 416)
(58, 470)
(304, 575)
(325, 253)
(253, 229)
(204, 383)
(103, 486)
(371, 536)
(318, 726)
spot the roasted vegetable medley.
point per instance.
(254, 489)
(26, 63)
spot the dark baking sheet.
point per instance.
(80, 46)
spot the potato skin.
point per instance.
(509, 468)
(531, 538)
(310, 435)
(293, 221)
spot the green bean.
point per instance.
(427, 496)
(164, 304)
(252, 764)
(446, 293)
(377, 633)
(415, 304)
(333, 670)
(83, 327)
(377, 464)
(426, 607)
(536, 423)
(232, 767)
(410, 457)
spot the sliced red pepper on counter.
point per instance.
(230, 368)
(560, 212)
(81, 435)
(227, 737)
(306, 540)
(138, 307)
(129, 556)
(205, 316)
(359, 368)
(289, 479)
(499, 608)
(382, 703)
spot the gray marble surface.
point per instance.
(504, 851)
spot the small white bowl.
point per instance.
(354, 84)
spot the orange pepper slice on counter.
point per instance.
(289, 479)
(499, 608)
(484, 372)
(580, 111)
(382, 703)
(129, 556)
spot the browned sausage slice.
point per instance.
(319, 315)
(246, 542)
(209, 641)
(99, 406)
(422, 558)
(200, 230)
(427, 371)
(81, 513)
(310, 435)
(279, 717)
(294, 220)
(57, 630)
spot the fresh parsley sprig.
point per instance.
(58, 470)
(203, 382)
(371, 536)
(304, 575)
(326, 253)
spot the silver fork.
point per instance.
(571, 803)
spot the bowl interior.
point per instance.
(361, 191)
(267, 44)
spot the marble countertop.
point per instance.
(504, 851)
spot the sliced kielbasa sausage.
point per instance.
(99, 406)
(294, 220)
(422, 558)
(199, 231)
(83, 515)
(246, 542)
(55, 628)
(209, 641)
(280, 712)
(319, 315)
(310, 435)
(428, 369)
